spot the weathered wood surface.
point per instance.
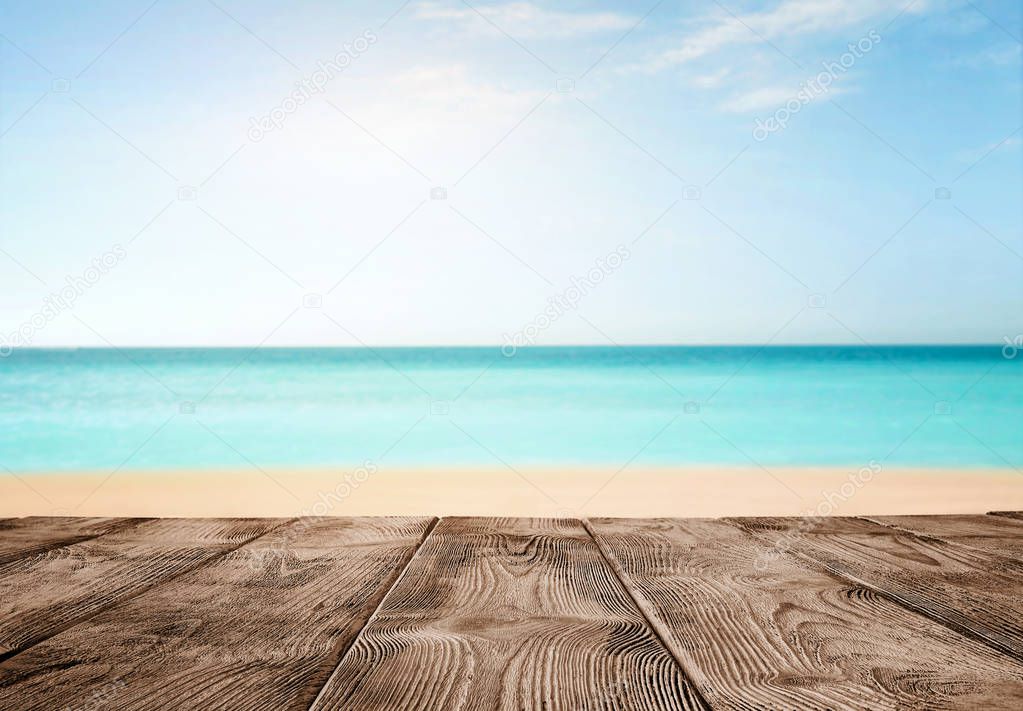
(508, 614)
(756, 628)
(974, 593)
(260, 628)
(48, 592)
(20, 537)
(1000, 535)
(403, 613)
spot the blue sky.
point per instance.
(886, 208)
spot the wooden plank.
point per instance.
(1009, 514)
(973, 593)
(508, 614)
(999, 535)
(44, 594)
(21, 537)
(260, 628)
(757, 629)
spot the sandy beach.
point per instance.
(641, 491)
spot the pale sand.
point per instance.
(639, 491)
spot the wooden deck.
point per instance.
(901, 612)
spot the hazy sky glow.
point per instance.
(886, 208)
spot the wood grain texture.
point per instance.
(21, 537)
(260, 628)
(839, 613)
(508, 614)
(757, 629)
(976, 594)
(46, 593)
(1009, 514)
(1000, 535)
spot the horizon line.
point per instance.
(907, 344)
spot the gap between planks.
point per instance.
(355, 638)
(641, 607)
(903, 527)
(612, 568)
(117, 601)
(896, 597)
(116, 525)
(623, 578)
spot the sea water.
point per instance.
(105, 409)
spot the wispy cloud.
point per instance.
(766, 98)
(788, 19)
(524, 19)
(999, 56)
(454, 87)
(711, 80)
(446, 102)
(972, 155)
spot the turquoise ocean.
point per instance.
(98, 409)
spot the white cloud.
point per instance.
(1003, 56)
(973, 155)
(441, 115)
(526, 19)
(712, 80)
(450, 91)
(440, 118)
(790, 18)
(769, 98)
